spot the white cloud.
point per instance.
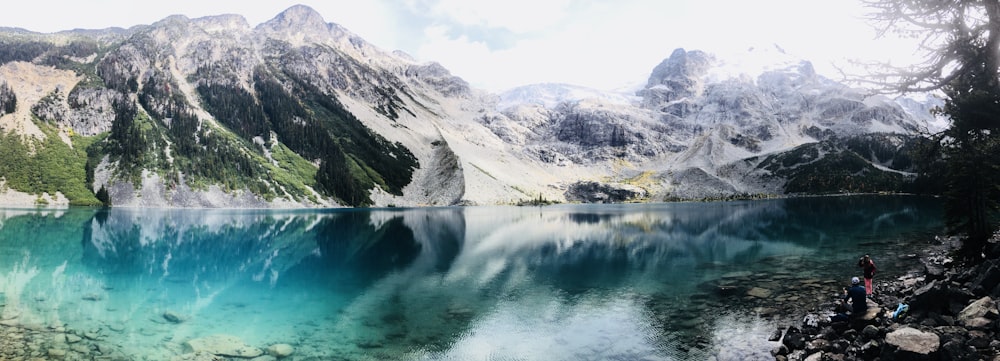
(497, 45)
(518, 16)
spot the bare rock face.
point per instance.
(88, 111)
(439, 78)
(222, 345)
(594, 192)
(677, 77)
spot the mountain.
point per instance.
(300, 112)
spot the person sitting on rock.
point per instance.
(854, 301)
(857, 296)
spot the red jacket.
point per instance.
(869, 267)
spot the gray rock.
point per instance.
(173, 316)
(759, 292)
(794, 339)
(817, 346)
(775, 336)
(911, 340)
(988, 277)
(870, 349)
(71, 338)
(222, 345)
(933, 271)
(56, 353)
(280, 350)
(870, 332)
(980, 308)
(978, 323)
(958, 351)
(779, 351)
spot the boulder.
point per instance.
(817, 346)
(55, 353)
(71, 338)
(958, 351)
(978, 323)
(280, 350)
(794, 339)
(983, 307)
(934, 271)
(776, 335)
(873, 311)
(815, 357)
(870, 350)
(913, 342)
(988, 277)
(932, 297)
(759, 292)
(870, 332)
(222, 345)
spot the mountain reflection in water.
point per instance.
(534, 283)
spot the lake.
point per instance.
(671, 281)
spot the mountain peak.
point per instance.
(680, 64)
(299, 16)
(298, 24)
(222, 22)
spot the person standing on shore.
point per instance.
(868, 267)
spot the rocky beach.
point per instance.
(952, 315)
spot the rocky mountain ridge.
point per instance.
(299, 112)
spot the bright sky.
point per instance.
(496, 45)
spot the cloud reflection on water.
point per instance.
(441, 283)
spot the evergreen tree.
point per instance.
(962, 61)
(104, 197)
(8, 100)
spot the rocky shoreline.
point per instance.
(21, 342)
(952, 315)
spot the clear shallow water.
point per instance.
(572, 282)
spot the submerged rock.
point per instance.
(280, 350)
(222, 345)
(71, 338)
(56, 353)
(759, 292)
(173, 317)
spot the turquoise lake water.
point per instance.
(566, 282)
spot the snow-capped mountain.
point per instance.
(698, 115)
(215, 112)
(550, 95)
